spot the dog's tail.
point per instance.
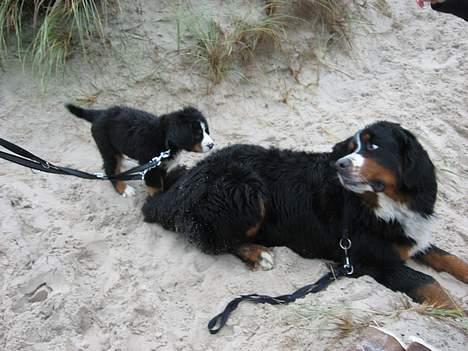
(89, 115)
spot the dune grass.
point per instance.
(47, 30)
(217, 48)
(218, 43)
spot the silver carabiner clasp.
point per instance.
(345, 244)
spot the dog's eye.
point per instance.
(372, 147)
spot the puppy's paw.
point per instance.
(129, 191)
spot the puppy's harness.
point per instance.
(24, 158)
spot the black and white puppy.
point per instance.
(140, 135)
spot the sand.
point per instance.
(80, 270)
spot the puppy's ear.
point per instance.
(416, 163)
(342, 149)
(175, 138)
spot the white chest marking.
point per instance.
(414, 225)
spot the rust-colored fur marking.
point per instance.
(251, 232)
(120, 185)
(250, 253)
(152, 190)
(404, 251)
(197, 148)
(447, 263)
(372, 171)
(434, 294)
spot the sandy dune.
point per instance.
(80, 270)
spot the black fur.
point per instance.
(141, 135)
(219, 199)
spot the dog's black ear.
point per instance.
(177, 136)
(341, 149)
(416, 164)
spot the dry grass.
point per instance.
(330, 18)
(430, 310)
(220, 42)
(383, 7)
(343, 321)
(45, 30)
(349, 323)
(217, 48)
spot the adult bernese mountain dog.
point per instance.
(378, 185)
(140, 135)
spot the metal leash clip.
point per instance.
(99, 175)
(155, 162)
(345, 244)
(45, 164)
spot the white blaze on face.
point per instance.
(206, 143)
(356, 159)
(358, 185)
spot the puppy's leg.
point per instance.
(442, 261)
(112, 166)
(154, 181)
(256, 256)
(420, 287)
(111, 157)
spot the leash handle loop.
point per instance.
(26, 159)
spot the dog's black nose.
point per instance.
(210, 145)
(343, 163)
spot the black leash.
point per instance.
(27, 159)
(218, 322)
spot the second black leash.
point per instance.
(24, 158)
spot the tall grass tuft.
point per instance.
(217, 48)
(46, 30)
(331, 17)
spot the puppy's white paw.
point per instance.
(129, 191)
(266, 260)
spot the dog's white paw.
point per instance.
(129, 191)
(266, 261)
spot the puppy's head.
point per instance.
(384, 157)
(188, 130)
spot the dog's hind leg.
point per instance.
(112, 165)
(120, 186)
(442, 261)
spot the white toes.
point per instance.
(266, 261)
(129, 191)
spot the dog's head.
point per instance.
(384, 157)
(188, 130)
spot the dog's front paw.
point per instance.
(256, 256)
(265, 261)
(129, 191)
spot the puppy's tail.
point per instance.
(89, 115)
